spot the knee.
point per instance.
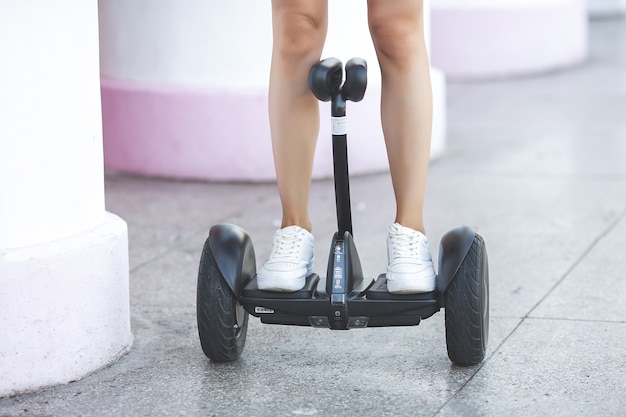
(396, 41)
(298, 36)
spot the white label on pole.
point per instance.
(338, 125)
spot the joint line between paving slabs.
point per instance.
(577, 262)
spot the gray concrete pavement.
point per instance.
(537, 164)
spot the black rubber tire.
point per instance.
(222, 321)
(466, 303)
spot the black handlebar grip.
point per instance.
(356, 79)
(325, 78)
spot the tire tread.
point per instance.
(466, 327)
(220, 339)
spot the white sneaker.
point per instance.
(410, 268)
(291, 261)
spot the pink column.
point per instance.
(184, 90)
(492, 38)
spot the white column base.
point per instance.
(64, 308)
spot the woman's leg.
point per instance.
(299, 31)
(397, 30)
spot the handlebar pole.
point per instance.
(340, 163)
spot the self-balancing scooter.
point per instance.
(227, 290)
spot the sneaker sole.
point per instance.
(280, 284)
(411, 287)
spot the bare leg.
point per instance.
(397, 30)
(299, 31)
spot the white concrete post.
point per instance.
(64, 302)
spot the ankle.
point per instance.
(305, 224)
(417, 226)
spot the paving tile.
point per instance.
(550, 368)
(161, 213)
(534, 230)
(595, 289)
(284, 371)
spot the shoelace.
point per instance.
(287, 246)
(405, 247)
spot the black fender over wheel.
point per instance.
(466, 302)
(222, 321)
